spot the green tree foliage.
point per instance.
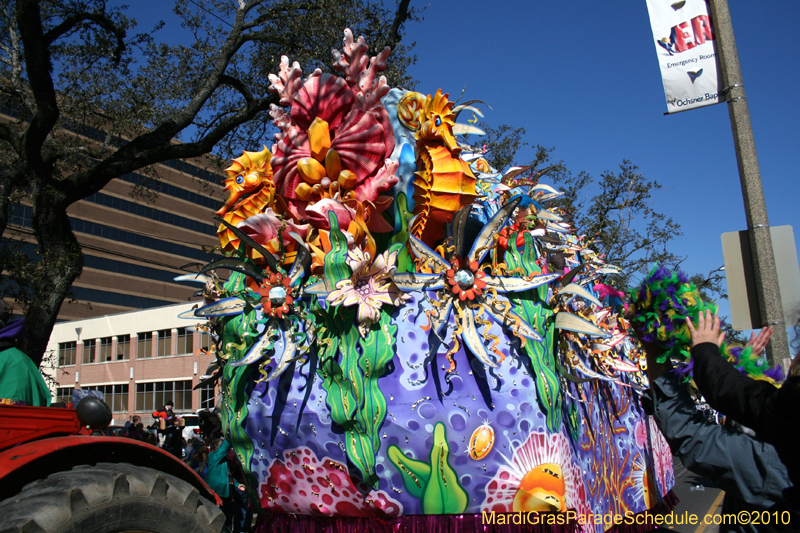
(69, 65)
(616, 213)
(502, 144)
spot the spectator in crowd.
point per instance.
(747, 469)
(772, 412)
(21, 383)
(165, 412)
(241, 514)
(135, 428)
(217, 475)
(150, 438)
(188, 449)
(196, 454)
(163, 416)
(202, 466)
(210, 425)
(173, 439)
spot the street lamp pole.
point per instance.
(763, 259)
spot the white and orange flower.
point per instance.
(369, 287)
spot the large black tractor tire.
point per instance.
(109, 498)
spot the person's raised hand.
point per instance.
(708, 329)
(760, 343)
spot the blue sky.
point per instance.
(583, 77)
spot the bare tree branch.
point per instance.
(400, 17)
(37, 60)
(238, 85)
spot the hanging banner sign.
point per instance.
(684, 41)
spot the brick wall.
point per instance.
(135, 370)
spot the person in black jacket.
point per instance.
(173, 442)
(748, 469)
(165, 412)
(772, 412)
(241, 514)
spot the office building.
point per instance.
(139, 360)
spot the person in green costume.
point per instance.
(21, 383)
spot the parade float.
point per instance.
(409, 337)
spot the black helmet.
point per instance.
(94, 413)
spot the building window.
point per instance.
(205, 341)
(183, 396)
(151, 396)
(148, 212)
(20, 215)
(160, 397)
(116, 396)
(145, 345)
(88, 351)
(144, 397)
(105, 349)
(164, 342)
(184, 341)
(66, 353)
(64, 394)
(123, 347)
(207, 397)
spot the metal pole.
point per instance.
(769, 296)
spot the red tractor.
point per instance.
(57, 477)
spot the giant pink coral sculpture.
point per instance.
(359, 127)
(287, 82)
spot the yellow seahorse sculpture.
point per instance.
(444, 184)
(250, 175)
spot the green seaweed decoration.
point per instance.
(404, 261)
(531, 307)
(435, 483)
(573, 422)
(350, 366)
(233, 406)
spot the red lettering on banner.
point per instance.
(681, 36)
(701, 32)
(702, 29)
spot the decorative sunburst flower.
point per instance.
(471, 291)
(369, 287)
(465, 282)
(276, 295)
(278, 323)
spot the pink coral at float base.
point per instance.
(301, 483)
(662, 457)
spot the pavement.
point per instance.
(707, 501)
